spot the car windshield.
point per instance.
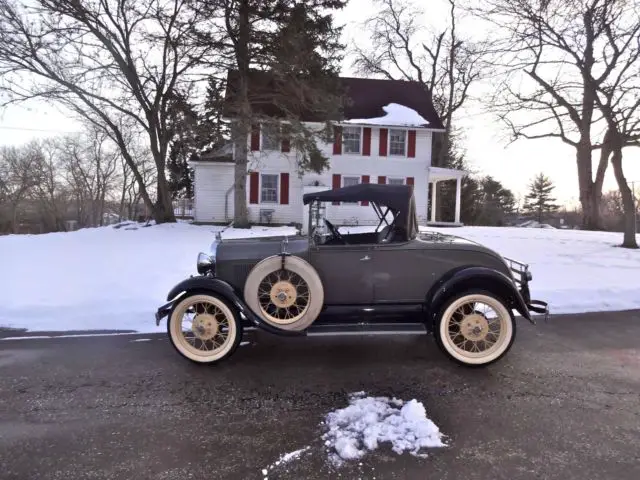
(390, 226)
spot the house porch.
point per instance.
(435, 176)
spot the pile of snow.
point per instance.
(395, 114)
(370, 421)
(108, 278)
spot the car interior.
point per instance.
(390, 233)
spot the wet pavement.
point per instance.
(564, 403)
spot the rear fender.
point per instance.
(467, 278)
(222, 289)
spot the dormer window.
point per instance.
(351, 139)
(398, 142)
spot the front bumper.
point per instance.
(163, 311)
(522, 276)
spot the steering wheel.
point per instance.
(335, 231)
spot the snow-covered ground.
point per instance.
(107, 278)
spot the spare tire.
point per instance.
(289, 298)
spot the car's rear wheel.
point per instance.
(203, 328)
(475, 328)
(288, 297)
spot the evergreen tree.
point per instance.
(183, 121)
(538, 201)
(298, 46)
(495, 202)
(212, 131)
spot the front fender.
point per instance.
(223, 289)
(485, 278)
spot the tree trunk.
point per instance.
(241, 137)
(163, 208)
(628, 202)
(588, 198)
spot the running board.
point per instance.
(367, 329)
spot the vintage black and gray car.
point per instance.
(394, 280)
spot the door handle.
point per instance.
(365, 258)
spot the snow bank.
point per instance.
(100, 278)
(396, 115)
(370, 421)
(107, 278)
(575, 271)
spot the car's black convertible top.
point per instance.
(396, 197)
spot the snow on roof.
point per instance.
(396, 114)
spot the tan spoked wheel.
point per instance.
(476, 329)
(203, 328)
(289, 298)
(283, 296)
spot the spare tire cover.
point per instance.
(289, 299)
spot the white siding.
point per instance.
(213, 180)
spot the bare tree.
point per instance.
(447, 64)
(619, 101)
(19, 175)
(105, 60)
(553, 54)
(51, 193)
(90, 164)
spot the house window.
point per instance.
(270, 140)
(349, 181)
(395, 181)
(397, 142)
(269, 188)
(351, 139)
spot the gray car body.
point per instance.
(363, 274)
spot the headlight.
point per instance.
(204, 264)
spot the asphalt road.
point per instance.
(565, 404)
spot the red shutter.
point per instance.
(254, 186)
(384, 134)
(337, 140)
(409, 180)
(365, 179)
(284, 189)
(366, 141)
(255, 137)
(382, 180)
(411, 152)
(336, 184)
(286, 139)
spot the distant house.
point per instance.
(385, 137)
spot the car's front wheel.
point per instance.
(203, 328)
(475, 328)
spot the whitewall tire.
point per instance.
(203, 328)
(289, 298)
(475, 328)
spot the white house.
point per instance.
(386, 137)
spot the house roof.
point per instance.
(223, 154)
(364, 98)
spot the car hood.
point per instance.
(251, 249)
(441, 238)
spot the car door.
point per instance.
(345, 271)
(400, 274)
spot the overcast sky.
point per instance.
(485, 144)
